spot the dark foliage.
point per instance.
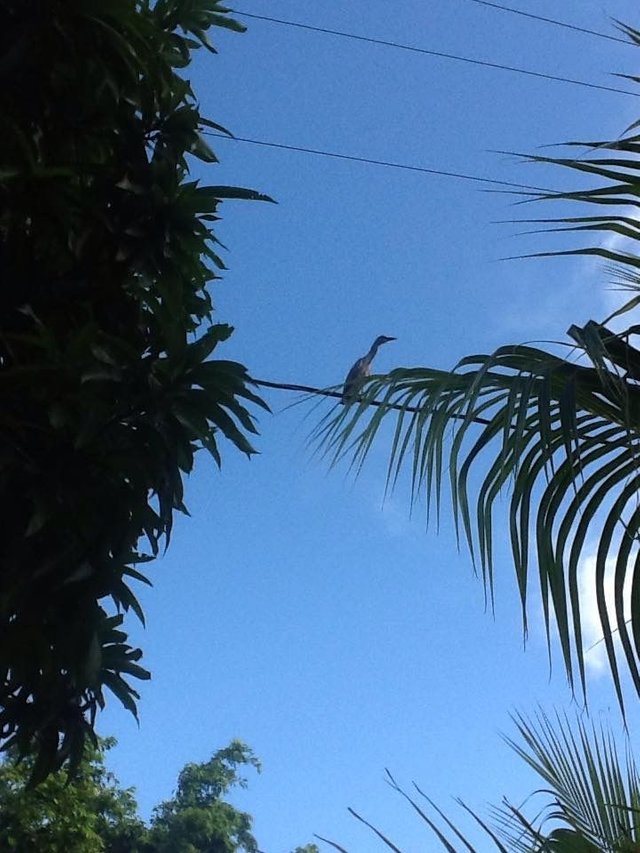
(106, 252)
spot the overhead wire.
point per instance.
(330, 392)
(387, 163)
(564, 24)
(409, 166)
(437, 53)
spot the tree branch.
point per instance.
(327, 392)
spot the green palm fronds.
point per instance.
(595, 792)
(590, 797)
(559, 434)
(564, 436)
(592, 792)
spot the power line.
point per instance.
(553, 21)
(462, 176)
(423, 50)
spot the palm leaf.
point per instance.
(562, 435)
(621, 178)
(595, 793)
(591, 797)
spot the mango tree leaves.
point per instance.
(106, 331)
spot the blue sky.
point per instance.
(294, 610)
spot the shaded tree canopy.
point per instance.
(94, 813)
(106, 333)
(197, 818)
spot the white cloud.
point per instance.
(596, 655)
(613, 295)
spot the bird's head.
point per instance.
(382, 339)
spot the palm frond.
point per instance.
(590, 797)
(564, 438)
(618, 197)
(562, 435)
(595, 792)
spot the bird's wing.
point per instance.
(354, 376)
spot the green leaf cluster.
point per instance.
(197, 818)
(107, 381)
(93, 813)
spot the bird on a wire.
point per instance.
(360, 370)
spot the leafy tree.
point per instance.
(106, 329)
(591, 797)
(93, 813)
(196, 818)
(90, 815)
(561, 428)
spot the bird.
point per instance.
(361, 369)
